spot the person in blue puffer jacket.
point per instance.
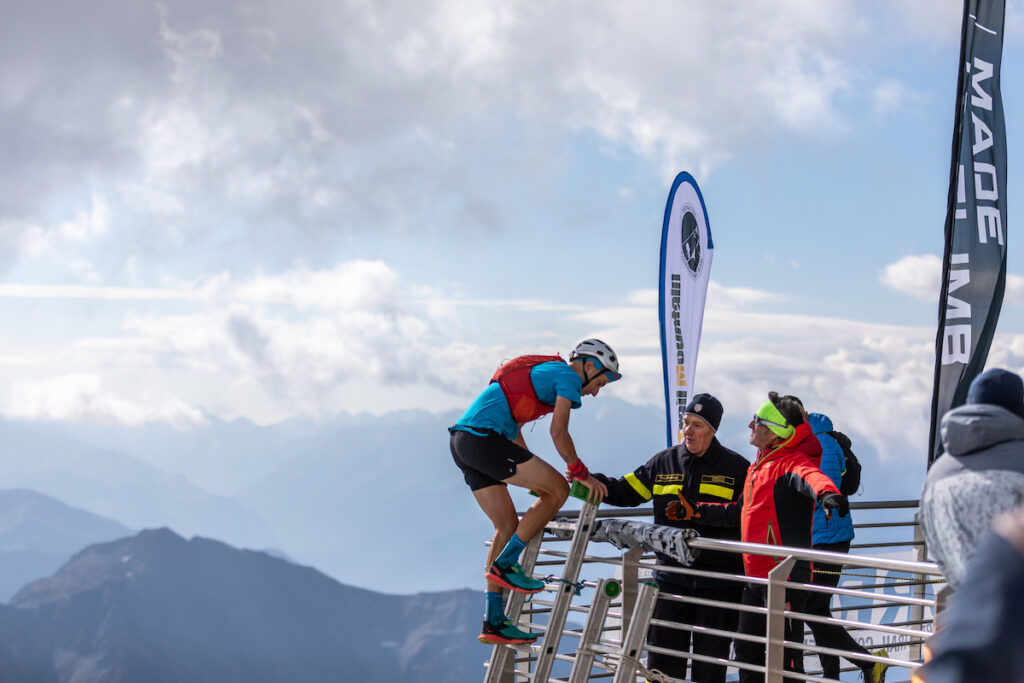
(833, 535)
(838, 530)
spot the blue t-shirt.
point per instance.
(490, 409)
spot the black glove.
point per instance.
(834, 501)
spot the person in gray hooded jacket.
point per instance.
(980, 473)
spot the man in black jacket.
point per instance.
(701, 470)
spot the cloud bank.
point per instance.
(190, 134)
(358, 338)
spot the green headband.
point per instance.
(769, 416)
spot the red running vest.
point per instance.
(514, 378)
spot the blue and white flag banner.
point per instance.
(974, 264)
(686, 250)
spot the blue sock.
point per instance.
(510, 554)
(495, 613)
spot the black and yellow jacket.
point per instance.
(715, 477)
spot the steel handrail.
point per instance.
(867, 561)
(648, 510)
(907, 630)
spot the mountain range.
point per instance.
(329, 494)
(38, 534)
(106, 481)
(355, 496)
(156, 607)
(369, 501)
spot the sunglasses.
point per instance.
(758, 420)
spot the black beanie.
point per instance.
(707, 408)
(998, 387)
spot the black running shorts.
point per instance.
(486, 460)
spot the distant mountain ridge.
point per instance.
(29, 519)
(158, 608)
(306, 478)
(38, 534)
(297, 486)
(49, 459)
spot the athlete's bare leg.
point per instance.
(551, 489)
(537, 476)
(497, 504)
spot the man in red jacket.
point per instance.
(776, 508)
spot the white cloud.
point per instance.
(917, 275)
(268, 349)
(890, 96)
(931, 20)
(1014, 290)
(192, 54)
(854, 371)
(87, 225)
(94, 292)
(349, 286)
(220, 133)
(615, 70)
(729, 298)
(920, 275)
(719, 297)
(82, 397)
(357, 115)
(874, 379)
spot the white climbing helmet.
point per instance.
(602, 353)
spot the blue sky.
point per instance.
(260, 211)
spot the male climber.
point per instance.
(487, 445)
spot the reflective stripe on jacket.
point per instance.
(716, 476)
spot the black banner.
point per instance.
(974, 265)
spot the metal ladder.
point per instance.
(626, 654)
(504, 665)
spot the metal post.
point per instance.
(917, 611)
(942, 599)
(633, 639)
(560, 609)
(501, 666)
(630, 585)
(606, 590)
(775, 623)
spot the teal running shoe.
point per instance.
(504, 633)
(513, 578)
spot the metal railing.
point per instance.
(886, 599)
